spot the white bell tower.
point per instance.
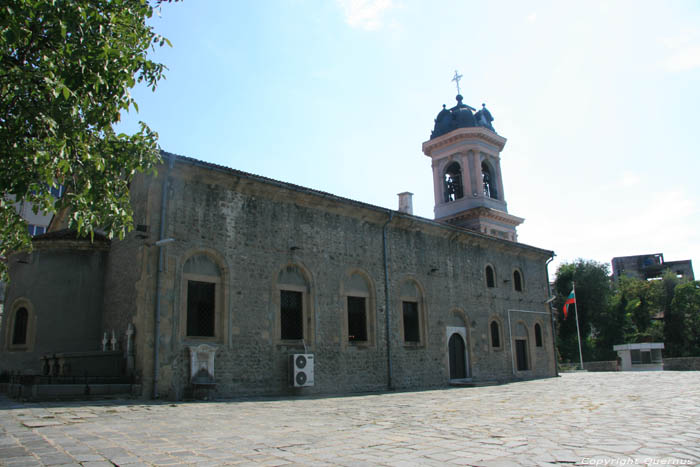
(468, 184)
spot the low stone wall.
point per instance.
(601, 366)
(682, 364)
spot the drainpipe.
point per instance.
(551, 315)
(161, 237)
(390, 370)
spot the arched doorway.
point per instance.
(457, 357)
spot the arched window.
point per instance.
(412, 313)
(490, 277)
(21, 326)
(19, 330)
(538, 335)
(489, 181)
(453, 182)
(495, 335)
(294, 314)
(517, 281)
(203, 298)
(359, 309)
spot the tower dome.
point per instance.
(460, 116)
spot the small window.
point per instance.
(517, 281)
(636, 356)
(57, 191)
(357, 319)
(495, 335)
(538, 335)
(490, 277)
(19, 331)
(411, 329)
(291, 315)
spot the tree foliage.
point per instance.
(592, 300)
(66, 70)
(682, 324)
(630, 311)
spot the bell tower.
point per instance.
(466, 158)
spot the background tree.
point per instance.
(592, 298)
(682, 322)
(66, 68)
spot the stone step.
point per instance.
(468, 383)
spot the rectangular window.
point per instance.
(201, 308)
(57, 191)
(411, 328)
(636, 356)
(357, 319)
(291, 315)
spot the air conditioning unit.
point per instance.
(301, 370)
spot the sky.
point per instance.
(598, 101)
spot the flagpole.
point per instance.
(578, 333)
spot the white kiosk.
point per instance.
(645, 356)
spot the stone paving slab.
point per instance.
(650, 418)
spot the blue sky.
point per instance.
(598, 101)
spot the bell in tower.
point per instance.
(466, 158)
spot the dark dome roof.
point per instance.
(459, 116)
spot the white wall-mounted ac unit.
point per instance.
(301, 370)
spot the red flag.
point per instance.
(570, 299)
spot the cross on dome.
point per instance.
(456, 79)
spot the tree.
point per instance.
(592, 301)
(66, 67)
(682, 324)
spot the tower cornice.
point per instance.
(462, 134)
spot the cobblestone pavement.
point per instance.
(580, 418)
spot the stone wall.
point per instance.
(61, 285)
(682, 364)
(251, 233)
(601, 366)
(253, 229)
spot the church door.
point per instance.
(457, 355)
(521, 354)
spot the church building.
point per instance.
(236, 284)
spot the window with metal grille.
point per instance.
(201, 308)
(411, 328)
(19, 333)
(538, 335)
(490, 277)
(495, 335)
(291, 315)
(357, 319)
(517, 281)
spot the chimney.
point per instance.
(406, 202)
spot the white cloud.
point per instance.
(532, 17)
(365, 14)
(629, 179)
(685, 59)
(684, 50)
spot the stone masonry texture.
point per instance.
(254, 229)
